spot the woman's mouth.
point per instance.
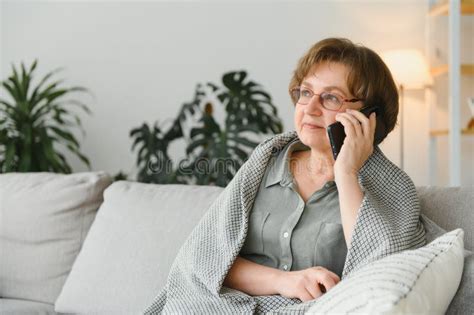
(311, 126)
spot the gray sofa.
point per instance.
(58, 254)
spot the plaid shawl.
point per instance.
(388, 221)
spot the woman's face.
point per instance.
(312, 119)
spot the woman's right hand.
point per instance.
(307, 284)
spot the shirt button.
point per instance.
(285, 267)
(285, 235)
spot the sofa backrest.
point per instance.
(131, 245)
(44, 219)
(450, 208)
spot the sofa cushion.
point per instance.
(134, 239)
(463, 301)
(44, 218)
(23, 307)
(420, 281)
(450, 208)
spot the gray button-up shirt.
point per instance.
(288, 234)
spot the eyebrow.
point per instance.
(328, 88)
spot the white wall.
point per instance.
(142, 60)
(1, 42)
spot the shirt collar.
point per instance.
(279, 171)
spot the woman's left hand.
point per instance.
(358, 144)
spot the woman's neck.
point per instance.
(319, 164)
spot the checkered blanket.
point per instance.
(388, 222)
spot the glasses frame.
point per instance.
(344, 100)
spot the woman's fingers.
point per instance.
(314, 290)
(349, 126)
(327, 271)
(367, 124)
(373, 124)
(355, 119)
(308, 295)
(334, 276)
(312, 283)
(327, 281)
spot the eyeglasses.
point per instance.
(303, 96)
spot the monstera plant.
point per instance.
(35, 121)
(214, 152)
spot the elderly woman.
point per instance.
(294, 221)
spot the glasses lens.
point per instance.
(305, 96)
(331, 101)
(295, 95)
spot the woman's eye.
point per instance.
(331, 97)
(305, 93)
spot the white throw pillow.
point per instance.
(131, 245)
(420, 281)
(44, 218)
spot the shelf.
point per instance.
(467, 8)
(445, 132)
(466, 69)
(452, 13)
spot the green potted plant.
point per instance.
(214, 152)
(36, 120)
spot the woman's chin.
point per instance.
(315, 141)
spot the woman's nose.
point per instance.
(314, 107)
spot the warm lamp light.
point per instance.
(410, 71)
(409, 68)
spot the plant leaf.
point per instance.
(31, 124)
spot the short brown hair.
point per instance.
(368, 79)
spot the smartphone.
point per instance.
(337, 135)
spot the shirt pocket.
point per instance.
(331, 249)
(254, 243)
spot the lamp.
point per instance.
(410, 71)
